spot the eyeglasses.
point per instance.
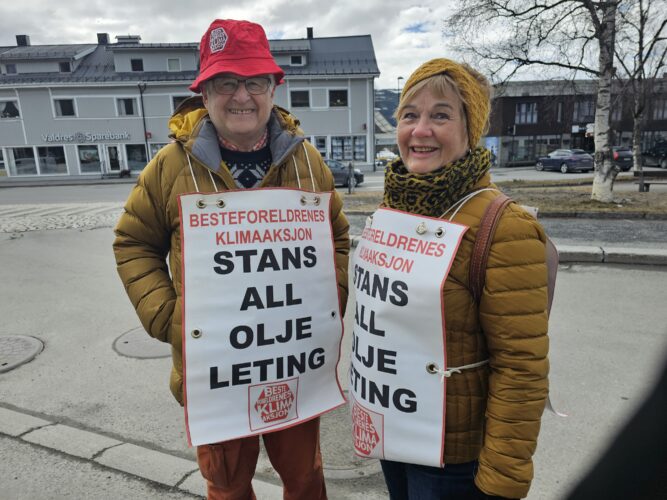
(227, 85)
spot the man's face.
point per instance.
(239, 115)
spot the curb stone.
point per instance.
(144, 463)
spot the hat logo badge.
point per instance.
(217, 40)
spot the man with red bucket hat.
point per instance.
(230, 138)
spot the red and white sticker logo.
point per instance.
(367, 430)
(273, 403)
(217, 40)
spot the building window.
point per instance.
(176, 101)
(296, 60)
(65, 67)
(617, 112)
(64, 107)
(22, 161)
(137, 64)
(300, 98)
(9, 109)
(337, 98)
(11, 69)
(173, 64)
(126, 106)
(360, 148)
(136, 156)
(52, 160)
(545, 144)
(341, 148)
(89, 158)
(321, 145)
(584, 111)
(660, 109)
(559, 112)
(526, 112)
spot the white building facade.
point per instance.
(99, 109)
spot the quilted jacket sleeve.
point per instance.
(513, 317)
(141, 246)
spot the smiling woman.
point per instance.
(492, 422)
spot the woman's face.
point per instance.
(431, 131)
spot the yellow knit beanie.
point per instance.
(473, 86)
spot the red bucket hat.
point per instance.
(231, 46)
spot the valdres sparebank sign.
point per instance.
(79, 137)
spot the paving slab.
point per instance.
(14, 423)
(66, 439)
(148, 464)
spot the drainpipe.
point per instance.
(142, 89)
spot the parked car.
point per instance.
(566, 160)
(340, 172)
(656, 156)
(622, 157)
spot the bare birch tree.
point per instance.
(641, 52)
(575, 36)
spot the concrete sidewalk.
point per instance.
(81, 420)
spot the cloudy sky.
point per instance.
(404, 33)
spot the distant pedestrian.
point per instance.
(231, 138)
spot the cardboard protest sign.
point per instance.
(397, 404)
(261, 313)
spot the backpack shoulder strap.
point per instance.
(480, 253)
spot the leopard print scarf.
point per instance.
(433, 193)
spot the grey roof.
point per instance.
(342, 55)
(141, 46)
(98, 67)
(334, 56)
(291, 45)
(46, 52)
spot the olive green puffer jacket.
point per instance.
(148, 232)
(493, 412)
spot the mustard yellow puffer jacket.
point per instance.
(493, 412)
(148, 232)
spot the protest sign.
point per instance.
(261, 312)
(398, 343)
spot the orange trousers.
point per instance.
(229, 467)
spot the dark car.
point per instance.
(340, 172)
(656, 156)
(622, 157)
(566, 160)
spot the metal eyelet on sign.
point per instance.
(220, 203)
(201, 204)
(317, 200)
(196, 333)
(432, 368)
(303, 200)
(421, 228)
(440, 232)
(333, 315)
